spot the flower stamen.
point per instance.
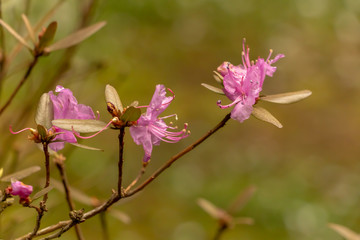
(20, 131)
(88, 137)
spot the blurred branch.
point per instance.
(104, 227)
(2, 50)
(88, 9)
(59, 162)
(177, 156)
(20, 84)
(221, 229)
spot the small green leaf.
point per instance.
(112, 96)
(80, 125)
(15, 34)
(286, 98)
(86, 147)
(214, 89)
(42, 192)
(44, 112)
(344, 232)
(263, 115)
(131, 114)
(42, 131)
(21, 174)
(76, 37)
(46, 38)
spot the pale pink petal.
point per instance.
(241, 112)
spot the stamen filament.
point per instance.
(22, 130)
(79, 136)
(172, 115)
(237, 100)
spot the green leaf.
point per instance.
(44, 112)
(46, 38)
(42, 192)
(76, 37)
(86, 147)
(112, 96)
(21, 174)
(80, 125)
(344, 232)
(263, 115)
(214, 89)
(131, 114)
(286, 98)
(42, 131)
(15, 34)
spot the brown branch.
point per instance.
(177, 156)
(2, 50)
(42, 209)
(141, 173)
(21, 83)
(221, 229)
(116, 196)
(121, 159)
(60, 165)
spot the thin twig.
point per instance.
(42, 209)
(121, 159)
(21, 83)
(60, 165)
(177, 156)
(220, 231)
(115, 197)
(141, 173)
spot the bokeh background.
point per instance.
(307, 174)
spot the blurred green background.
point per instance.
(307, 174)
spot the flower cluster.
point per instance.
(63, 106)
(243, 83)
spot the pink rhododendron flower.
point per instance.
(66, 107)
(150, 129)
(20, 189)
(243, 83)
